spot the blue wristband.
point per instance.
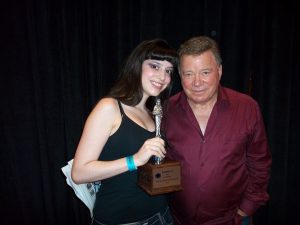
(130, 163)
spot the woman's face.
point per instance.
(156, 76)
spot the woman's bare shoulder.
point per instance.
(107, 105)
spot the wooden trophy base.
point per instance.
(161, 178)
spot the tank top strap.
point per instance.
(121, 108)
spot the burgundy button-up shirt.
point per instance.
(224, 169)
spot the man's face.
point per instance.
(200, 76)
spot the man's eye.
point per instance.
(205, 73)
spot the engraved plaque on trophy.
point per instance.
(159, 176)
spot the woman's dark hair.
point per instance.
(128, 88)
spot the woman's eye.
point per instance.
(170, 72)
(154, 66)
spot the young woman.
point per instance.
(119, 136)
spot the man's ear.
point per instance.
(220, 72)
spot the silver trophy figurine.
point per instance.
(158, 114)
(160, 175)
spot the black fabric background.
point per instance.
(59, 57)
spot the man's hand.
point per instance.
(241, 213)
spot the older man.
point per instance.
(219, 137)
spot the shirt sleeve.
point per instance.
(258, 165)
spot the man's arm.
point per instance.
(258, 166)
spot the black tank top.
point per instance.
(120, 199)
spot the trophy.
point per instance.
(159, 176)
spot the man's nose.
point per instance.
(198, 79)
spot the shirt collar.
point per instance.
(223, 100)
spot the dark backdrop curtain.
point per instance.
(60, 57)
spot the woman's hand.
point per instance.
(151, 147)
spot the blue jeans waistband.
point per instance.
(159, 218)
